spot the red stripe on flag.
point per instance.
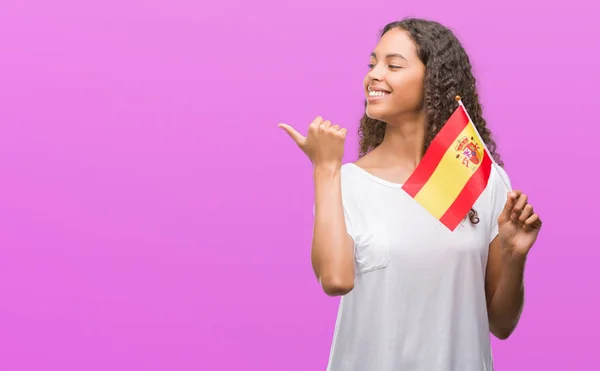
(438, 147)
(469, 194)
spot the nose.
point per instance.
(376, 73)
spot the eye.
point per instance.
(395, 67)
(371, 66)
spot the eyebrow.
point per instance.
(392, 55)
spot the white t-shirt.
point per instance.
(418, 302)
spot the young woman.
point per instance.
(415, 296)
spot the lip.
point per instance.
(375, 99)
(371, 99)
(376, 88)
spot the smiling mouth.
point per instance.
(377, 93)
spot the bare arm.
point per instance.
(518, 228)
(505, 290)
(332, 250)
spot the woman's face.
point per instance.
(394, 84)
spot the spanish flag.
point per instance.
(454, 170)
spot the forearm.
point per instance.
(507, 303)
(332, 249)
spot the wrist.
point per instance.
(514, 261)
(327, 168)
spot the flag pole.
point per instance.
(494, 163)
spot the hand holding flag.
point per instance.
(518, 225)
(453, 173)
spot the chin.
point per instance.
(375, 113)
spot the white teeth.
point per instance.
(377, 93)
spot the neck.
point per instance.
(403, 141)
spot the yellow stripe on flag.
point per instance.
(450, 176)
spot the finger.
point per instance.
(335, 127)
(526, 213)
(508, 206)
(519, 205)
(342, 132)
(314, 125)
(297, 137)
(533, 222)
(521, 202)
(325, 125)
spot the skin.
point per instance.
(395, 68)
(332, 250)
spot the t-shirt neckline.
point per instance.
(376, 178)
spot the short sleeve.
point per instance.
(500, 184)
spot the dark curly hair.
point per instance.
(447, 74)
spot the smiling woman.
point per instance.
(415, 295)
(406, 48)
(399, 87)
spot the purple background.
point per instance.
(154, 217)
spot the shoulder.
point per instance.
(491, 201)
(354, 178)
(350, 177)
(350, 173)
(499, 182)
(496, 194)
(349, 167)
(500, 173)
